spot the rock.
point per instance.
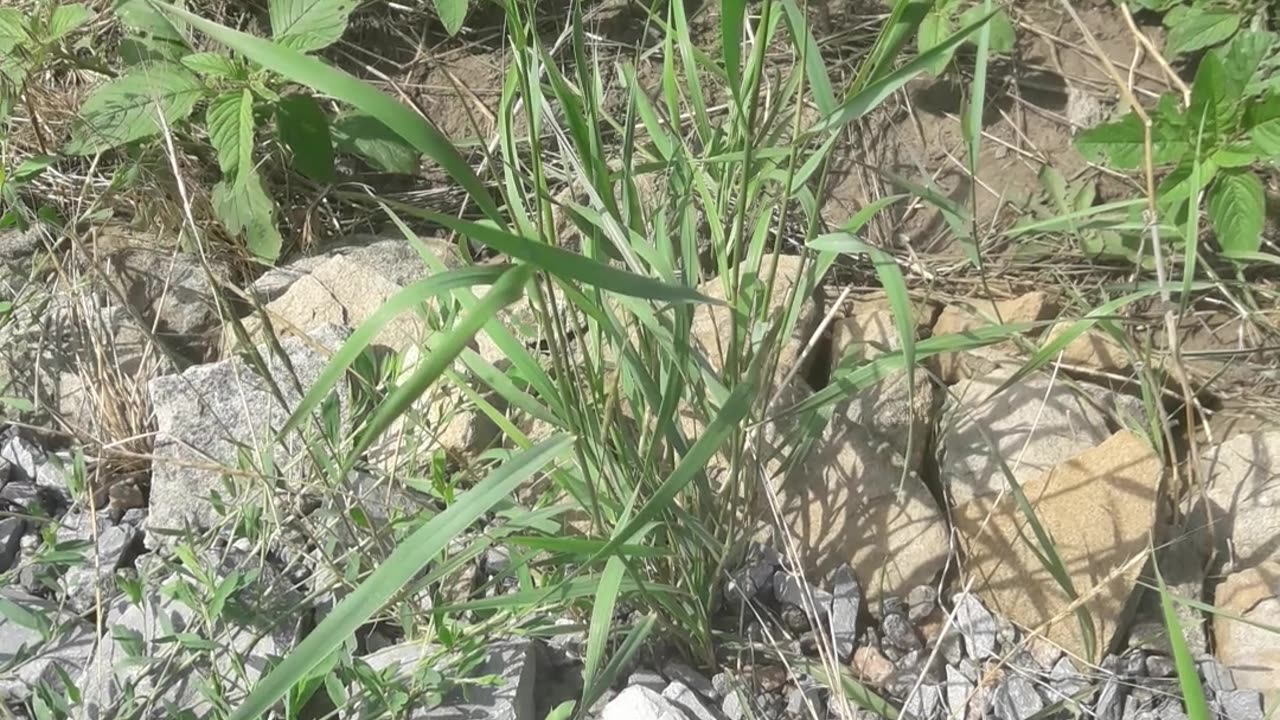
(1016, 699)
(846, 602)
(899, 633)
(513, 662)
(206, 412)
(678, 672)
(1110, 704)
(1240, 705)
(792, 590)
(1181, 561)
(687, 700)
(241, 654)
(170, 291)
(1093, 350)
(1044, 653)
(31, 498)
(21, 459)
(1243, 475)
(107, 549)
(712, 329)
(1250, 652)
(1066, 681)
(895, 412)
(848, 502)
(1215, 676)
(958, 691)
(926, 704)
(807, 700)
(921, 603)
(11, 531)
(1159, 666)
(1117, 480)
(17, 244)
(641, 703)
(733, 707)
(1083, 109)
(870, 666)
(1034, 424)
(393, 258)
(956, 319)
(755, 575)
(648, 678)
(976, 625)
(28, 658)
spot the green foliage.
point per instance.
(946, 16)
(1195, 25)
(1231, 124)
(452, 13)
(29, 40)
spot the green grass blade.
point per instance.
(309, 71)
(815, 70)
(1188, 675)
(601, 621)
(875, 93)
(395, 572)
(732, 14)
(1071, 221)
(621, 659)
(564, 264)
(901, 26)
(502, 293)
(411, 296)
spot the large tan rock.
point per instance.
(1243, 475)
(895, 411)
(1252, 653)
(1033, 425)
(1093, 349)
(1099, 507)
(959, 319)
(849, 502)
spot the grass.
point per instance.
(632, 201)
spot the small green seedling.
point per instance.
(945, 17)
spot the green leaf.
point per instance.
(366, 136)
(141, 17)
(124, 109)
(13, 25)
(65, 19)
(243, 207)
(229, 121)
(398, 570)
(1183, 661)
(1244, 55)
(601, 621)
(1237, 209)
(322, 78)
(875, 93)
(307, 25)
(451, 13)
(732, 15)
(1003, 37)
(1263, 121)
(934, 29)
(212, 64)
(1118, 144)
(304, 129)
(1197, 29)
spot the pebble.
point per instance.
(977, 626)
(1240, 705)
(648, 679)
(806, 700)
(1016, 699)
(899, 633)
(11, 531)
(687, 700)
(1110, 705)
(1216, 677)
(756, 574)
(677, 671)
(871, 666)
(846, 602)
(789, 589)
(921, 602)
(959, 688)
(925, 704)
(1159, 666)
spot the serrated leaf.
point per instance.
(229, 120)
(1196, 30)
(363, 135)
(212, 64)
(1244, 55)
(65, 19)
(452, 13)
(1118, 144)
(307, 25)
(1263, 121)
(1237, 209)
(1237, 154)
(244, 209)
(304, 129)
(934, 28)
(125, 109)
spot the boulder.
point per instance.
(1092, 350)
(1251, 652)
(895, 411)
(960, 319)
(205, 414)
(1033, 425)
(1116, 485)
(169, 290)
(1243, 478)
(30, 658)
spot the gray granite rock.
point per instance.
(921, 603)
(641, 703)
(29, 658)
(807, 700)
(756, 574)
(1240, 705)
(846, 602)
(897, 631)
(1216, 678)
(1159, 666)
(792, 590)
(693, 704)
(648, 678)
(976, 624)
(677, 671)
(11, 531)
(927, 703)
(958, 689)
(205, 414)
(106, 550)
(1110, 704)
(1016, 699)
(514, 663)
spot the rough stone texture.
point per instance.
(895, 412)
(110, 673)
(1094, 350)
(958, 689)
(755, 576)
(1016, 699)
(393, 258)
(955, 319)
(1243, 475)
(11, 530)
(689, 701)
(168, 290)
(1181, 561)
(678, 672)
(846, 601)
(1051, 420)
(27, 659)
(976, 625)
(712, 328)
(514, 662)
(641, 703)
(871, 666)
(206, 413)
(849, 502)
(1240, 705)
(1116, 481)
(925, 704)
(113, 546)
(1251, 653)
(648, 678)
